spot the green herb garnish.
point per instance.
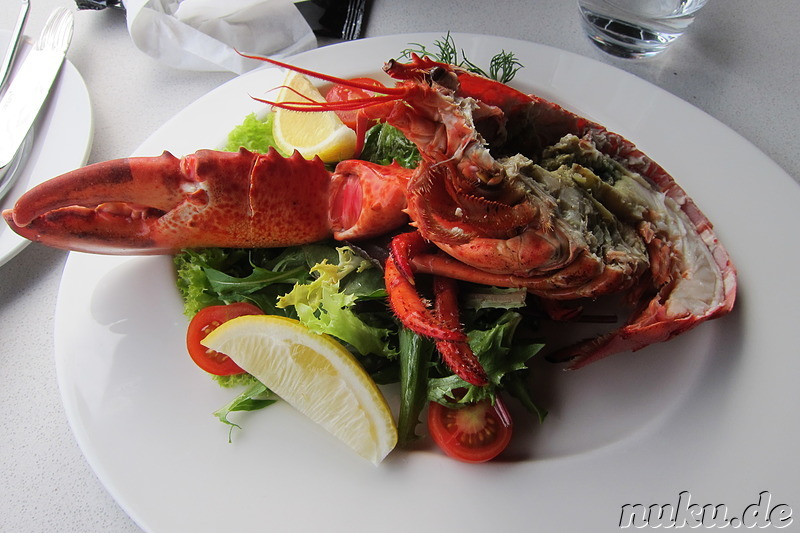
(502, 67)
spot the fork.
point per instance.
(57, 31)
(354, 19)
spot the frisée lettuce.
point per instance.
(327, 306)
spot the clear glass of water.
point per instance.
(636, 28)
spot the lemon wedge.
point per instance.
(317, 133)
(313, 373)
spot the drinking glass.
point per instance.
(637, 28)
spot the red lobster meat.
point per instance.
(512, 191)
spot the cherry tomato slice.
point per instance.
(204, 322)
(473, 434)
(342, 93)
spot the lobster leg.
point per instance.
(411, 310)
(457, 355)
(443, 323)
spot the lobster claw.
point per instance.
(367, 199)
(157, 205)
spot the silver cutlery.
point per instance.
(11, 51)
(29, 89)
(354, 19)
(339, 20)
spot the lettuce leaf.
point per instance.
(216, 276)
(384, 144)
(253, 133)
(416, 353)
(326, 306)
(499, 355)
(256, 396)
(192, 281)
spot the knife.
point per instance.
(16, 37)
(28, 90)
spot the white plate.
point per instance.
(63, 137)
(712, 412)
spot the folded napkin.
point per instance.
(206, 34)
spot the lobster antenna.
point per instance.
(358, 103)
(389, 91)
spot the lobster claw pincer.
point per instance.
(156, 205)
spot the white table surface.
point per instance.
(739, 62)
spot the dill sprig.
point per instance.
(502, 67)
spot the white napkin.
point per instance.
(205, 34)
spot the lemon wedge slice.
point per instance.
(319, 133)
(313, 373)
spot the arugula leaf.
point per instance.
(216, 276)
(517, 385)
(415, 357)
(256, 396)
(223, 283)
(192, 280)
(499, 355)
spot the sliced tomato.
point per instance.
(204, 322)
(474, 434)
(343, 93)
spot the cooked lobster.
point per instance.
(511, 191)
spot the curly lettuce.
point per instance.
(326, 306)
(253, 134)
